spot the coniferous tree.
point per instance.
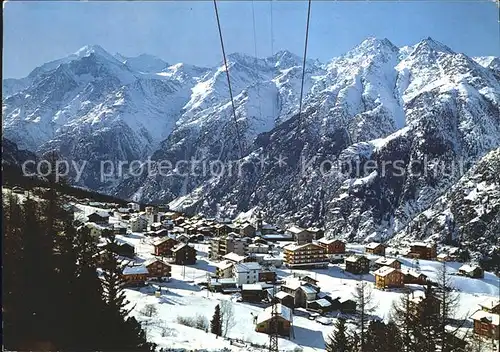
(363, 296)
(53, 297)
(338, 340)
(216, 322)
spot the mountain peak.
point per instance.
(432, 45)
(373, 44)
(91, 49)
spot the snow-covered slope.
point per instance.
(376, 104)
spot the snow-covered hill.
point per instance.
(377, 104)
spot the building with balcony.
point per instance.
(305, 255)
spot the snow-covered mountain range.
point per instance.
(377, 104)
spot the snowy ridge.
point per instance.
(375, 103)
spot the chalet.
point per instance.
(413, 277)
(300, 235)
(182, 238)
(222, 229)
(164, 246)
(135, 275)
(321, 305)
(357, 264)
(226, 285)
(443, 257)
(247, 230)
(99, 217)
(284, 298)
(246, 273)
(344, 305)
(390, 262)
(183, 254)
(252, 293)
(159, 233)
(375, 248)
(302, 291)
(486, 324)
(224, 270)
(157, 268)
(309, 280)
(179, 220)
(283, 320)
(267, 276)
(123, 249)
(305, 255)
(332, 246)
(473, 271)
(422, 250)
(388, 277)
(155, 226)
(491, 305)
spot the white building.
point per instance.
(224, 270)
(246, 273)
(138, 224)
(134, 206)
(258, 248)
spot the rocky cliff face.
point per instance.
(385, 132)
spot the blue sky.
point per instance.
(183, 31)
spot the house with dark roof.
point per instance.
(184, 254)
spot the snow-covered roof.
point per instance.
(469, 268)
(156, 224)
(282, 294)
(412, 272)
(481, 314)
(385, 261)
(384, 271)
(283, 311)
(229, 280)
(150, 261)
(442, 255)
(373, 245)
(293, 247)
(179, 246)
(161, 240)
(234, 257)
(295, 229)
(246, 267)
(422, 244)
(224, 265)
(135, 270)
(102, 214)
(292, 283)
(328, 240)
(251, 287)
(490, 303)
(323, 302)
(354, 258)
(307, 289)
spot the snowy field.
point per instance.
(181, 297)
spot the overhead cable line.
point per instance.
(228, 80)
(304, 65)
(255, 55)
